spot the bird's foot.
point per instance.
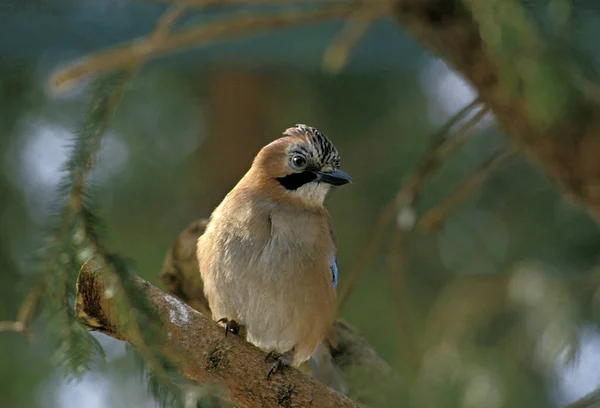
(230, 325)
(280, 361)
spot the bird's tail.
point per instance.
(324, 369)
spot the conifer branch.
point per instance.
(74, 232)
(66, 242)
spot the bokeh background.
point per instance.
(499, 300)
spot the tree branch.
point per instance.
(200, 348)
(146, 48)
(567, 146)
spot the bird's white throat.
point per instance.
(313, 193)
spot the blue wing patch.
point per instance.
(334, 271)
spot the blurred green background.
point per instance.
(496, 299)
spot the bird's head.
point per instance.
(303, 164)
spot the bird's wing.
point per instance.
(334, 267)
(334, 271)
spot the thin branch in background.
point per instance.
(146, 48)
(433, 218)
(29, 306)
(26, 312)
(339, 51)
(440, 149)
(209, 3)
(409, 351)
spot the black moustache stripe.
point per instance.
(296, 180)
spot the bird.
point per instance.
(268, 256)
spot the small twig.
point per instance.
(146, 48)
(434, 217)
(440, 149)
(26, 312)
(30, 304)
(591, 400)
(168, 20)
(17, 327)
(444, 131)
(339, 51)
(11, 326)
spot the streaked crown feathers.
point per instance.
(322, 148)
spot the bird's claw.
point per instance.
(230, 325)
(280, 361)
(277, 365)
(272, 355)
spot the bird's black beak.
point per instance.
(335, 178)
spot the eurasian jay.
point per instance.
(268, 256)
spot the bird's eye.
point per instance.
(298, 161)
